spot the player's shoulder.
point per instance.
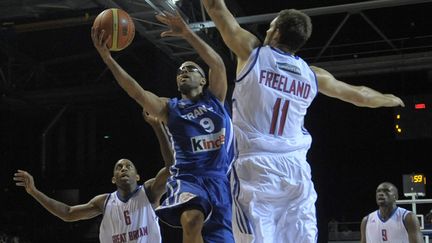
(366, 218)
(100, 200)
(372, 214)
(208, 95)
(405, 213)
(101, 197)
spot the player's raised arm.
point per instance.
(217, 73)
(356, 95)
(149, 101)
(65, 212)
(239, 40)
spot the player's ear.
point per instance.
(137, 177)
(203, 82)
(277, 35)
(113, 180)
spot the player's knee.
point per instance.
(192, 220)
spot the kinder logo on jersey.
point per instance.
(288, 67)
(208, 142)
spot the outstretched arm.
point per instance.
(363, 230)
(217, 73)
(239, 40)
(147, 100)
(155, 187)
(163, 139)
(413, 229)
(357, 95)
(67, 213)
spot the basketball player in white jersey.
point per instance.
(390, 223)
(128, 213)
(273, 194)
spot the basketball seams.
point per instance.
(115, 27)
(119, 25)
(106, 16)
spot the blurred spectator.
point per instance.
(3, 237)
(428, 220)
(333, 225)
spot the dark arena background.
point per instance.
(64, 119)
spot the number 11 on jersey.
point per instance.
(275, 117)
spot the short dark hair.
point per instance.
(395, 189)
(295, 28)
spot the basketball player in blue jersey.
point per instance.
(390, 223)
(273, 193)
(128, 213)
(198, 195)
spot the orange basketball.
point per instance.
(118, 25)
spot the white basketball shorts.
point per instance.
(273, 199)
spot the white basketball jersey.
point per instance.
(270, 100)
(393, 230)
(131, 221)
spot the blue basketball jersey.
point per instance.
(202, 135)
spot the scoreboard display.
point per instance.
(414, 184)
(414, 120)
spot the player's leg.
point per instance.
(252, 214)
(241, 225)
(218, 228)
(187, 206)
(263, 218)
(271, 195)
(192, 221)
(296, 221)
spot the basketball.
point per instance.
(118, 25)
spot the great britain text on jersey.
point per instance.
(130, 236)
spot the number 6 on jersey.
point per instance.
(126, 217)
